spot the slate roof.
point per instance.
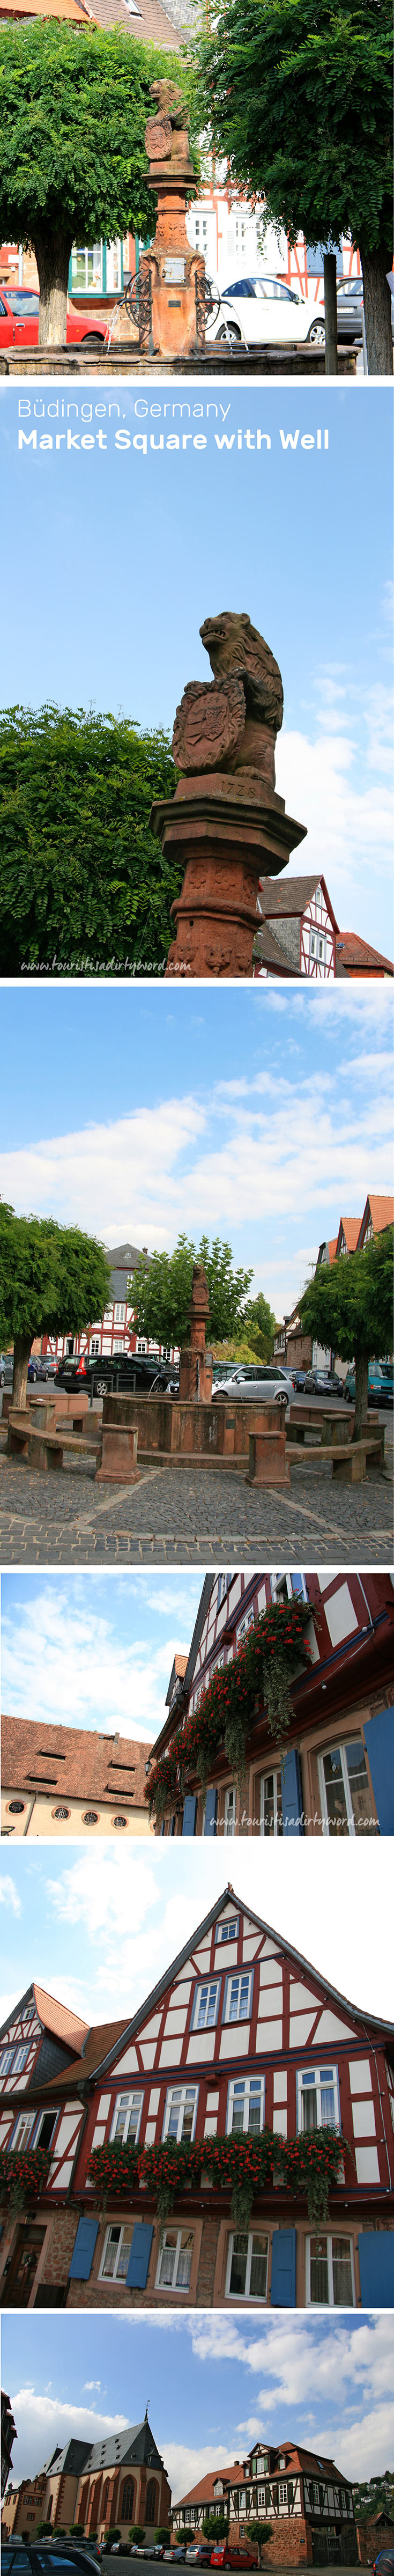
(136, 2442)
(356, 955)
(74, 1761)
(268, 952)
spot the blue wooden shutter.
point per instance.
(379, 1744)
(189, 1816)
(211, 1811)
(82, 2258)
(292, 1793)
(283, 2273)
(376, 2258)
(137, 2274)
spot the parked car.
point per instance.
(264, 1386)
(383, 2565)
(19, 319)
(175, 2554)
(6, 1368)
(380, 1386)
(237, 2554)
(299, 1376)
(23, 2555)
(267, 310)
(200, 2554)
(42, 1368)
(350, 300)
(322, 1382)
(127, 1372)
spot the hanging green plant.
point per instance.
(259, 1676)
(313, 2164)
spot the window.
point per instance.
(151, 2495)
(22, 2134)
(229, 1811)
(244, 1624)
(45, 2128)
(329, 2272)
(16, 1807)
(180, 2111)
(60, 1815)
(127, 2503)
(318, 2098)
(227, 1931)
(282, 2491)
(271, 1817)
(238, 1997)
(90, 1818)
(117, 2250)
(224, 1581)
(344, 1788)
(119, 1314)
(118, 1822)
(205, 2007)
(318, 946)
(286, 1587)
(86, 269)
(6, 2061)
(94, 1345)
(127, 2117)
(247, 2268)
(174, 2265)
(245, 2106)
(20, 2059)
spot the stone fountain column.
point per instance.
(171, 275)
(226, 825)
(195, 1366)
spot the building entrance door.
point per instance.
(23, 2265)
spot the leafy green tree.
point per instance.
(164, 1290)
(73, 166)
(298, 97)
(349, 1310)
(260, 2532)
(215, 2526)
(261, 1324)
(163, 2534)
(84, 886)
(53, 1279)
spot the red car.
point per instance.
(234, 2555)
(19, 311)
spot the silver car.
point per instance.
(258, 1385)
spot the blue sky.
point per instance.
(254, 1114)
(97, 1926)
(214, 2382)
(94, 1650)
(110, 561)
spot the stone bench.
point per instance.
(336, 1428)
(39, 1442)
(349, 1462)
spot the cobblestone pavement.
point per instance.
(191, 1516)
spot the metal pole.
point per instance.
(330, 312)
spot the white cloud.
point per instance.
(43, 2420)
(66, 1664)
(9, 1895)
(114, 1904)
(344, 798)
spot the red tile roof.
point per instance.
(381, 1211)
(356, 956)
(204, 2492)
(56, 2017)
(74, 1761)
(350, 1227)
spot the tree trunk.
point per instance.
(53, 247)
(330, 312)
(22, 1349)
(361, 1377)
(377, 313)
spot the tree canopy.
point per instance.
(298, 97)
(163, 1291)
(261, 1326)
(349, 1310)
(53, 1279)
(73, 166)
(82, 879)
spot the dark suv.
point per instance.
(126, 1373)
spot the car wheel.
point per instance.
(228, 331)
(33, 1375)
(317, 336)
(92, 340)
(347, 1395)
(2, 1377)
(101, 1386)
(281, 1399)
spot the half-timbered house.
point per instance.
(335, 1774)
(242, 2051)
(298, 929)
(306, 2500)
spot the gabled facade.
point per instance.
(305, 2498)
(242, 2047)
(97, 2486)
(336, 1774)
(298, 928)
(116, 1331)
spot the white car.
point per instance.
(266, 309)
(224, 323)
(257, 1386)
